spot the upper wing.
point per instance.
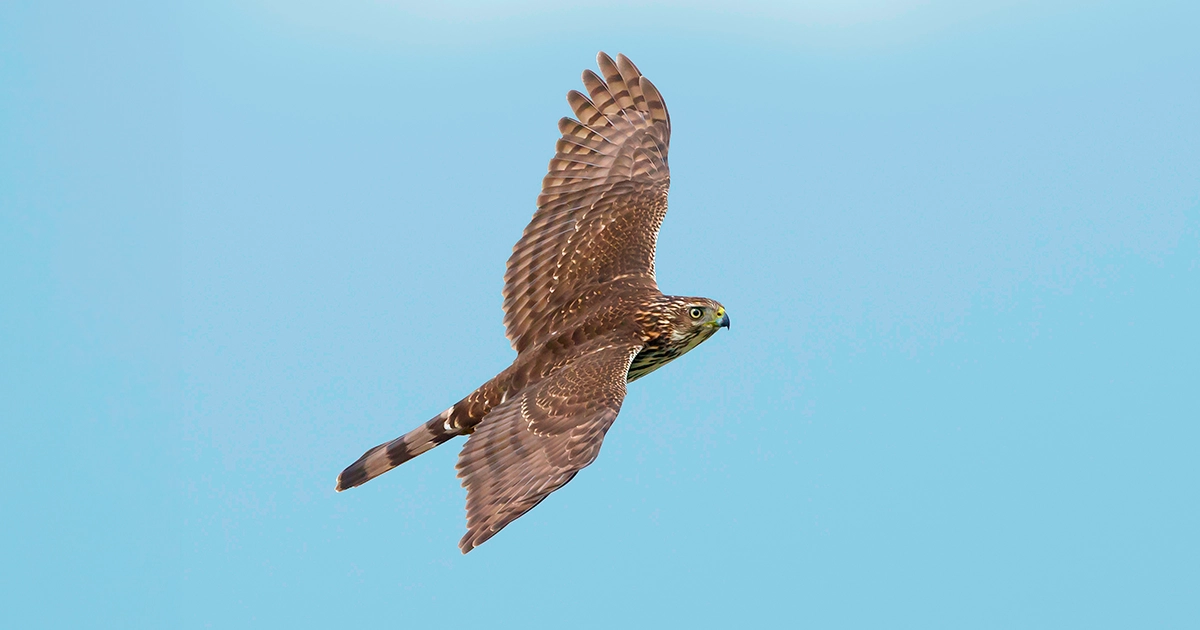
(602, 201)
(530, 445)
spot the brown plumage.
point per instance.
(581, 308)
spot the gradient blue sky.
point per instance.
(959, 242)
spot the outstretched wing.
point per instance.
(534, 443)
(602, 201)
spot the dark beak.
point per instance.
(724, 321)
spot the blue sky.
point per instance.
(959, 242)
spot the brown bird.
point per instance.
(581, 308)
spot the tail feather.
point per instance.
(389, 455)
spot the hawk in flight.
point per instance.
(581, 308)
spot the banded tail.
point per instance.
(389, 455)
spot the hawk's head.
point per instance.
(673, 326)
(691, 320)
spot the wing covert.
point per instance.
(602, 201)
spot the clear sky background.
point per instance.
(959, 243)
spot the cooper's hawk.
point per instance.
(581, 308)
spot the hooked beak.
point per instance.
(724, 323)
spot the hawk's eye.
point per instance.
(696, 312)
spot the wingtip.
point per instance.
(622, 59)
(588, 73)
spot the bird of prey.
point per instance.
(581, 308)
